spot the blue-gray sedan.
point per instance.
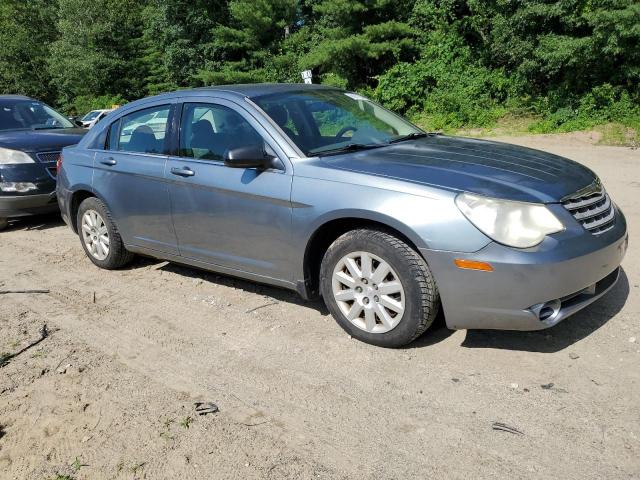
(325, 192)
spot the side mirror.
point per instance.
(252, 156)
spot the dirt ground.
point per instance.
(110, 392)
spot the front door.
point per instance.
(232, 217)
(130, 176)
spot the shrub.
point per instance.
(451, 94)
(86, 103)
(602, 104)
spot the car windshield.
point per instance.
(30, 115)
(322, 122)
(91, 115)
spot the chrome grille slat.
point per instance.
(581, 202)
(592, 207)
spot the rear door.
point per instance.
(233, 217)
(130, 176)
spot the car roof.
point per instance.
(259, 89)
(250, 90)
(15, 97)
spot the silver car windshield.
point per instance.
(91, 115)
(30, 115)
(323, 122)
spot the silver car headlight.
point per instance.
(516, 224)
(11, 157)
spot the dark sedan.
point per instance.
(32, 135)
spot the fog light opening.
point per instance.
(549, 310)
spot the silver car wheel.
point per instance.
(95, 234)
(368, 292)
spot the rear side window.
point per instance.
(209, 130)
(144, 131)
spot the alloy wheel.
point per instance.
(368, 292)
(95, 234)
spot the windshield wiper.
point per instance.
(411, 136)
(46, 128)
(350, 147)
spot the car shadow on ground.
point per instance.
(563, 335)
(554, 339)
(272, 293)
(35, 222)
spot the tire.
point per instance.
(98, 219)
(392, 315)
(4, 223)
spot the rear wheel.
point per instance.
(4, 223)
(378, 288)
(99, 236)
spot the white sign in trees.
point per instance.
(307, 76)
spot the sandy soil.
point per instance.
(297, 397)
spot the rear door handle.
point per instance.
(108, 161)
(183, 172)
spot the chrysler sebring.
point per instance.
(327, 193)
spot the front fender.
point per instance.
(427, 217)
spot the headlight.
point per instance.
(10, 157)
(20, 187)
(516, 224)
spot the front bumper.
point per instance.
(41, 200)
(565, 273)
(23, 205)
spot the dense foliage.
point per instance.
(450, 63)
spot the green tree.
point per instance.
(98, 50)
(356, 40)
(238, 51)
(25, 34)
(175, 35)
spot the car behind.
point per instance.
(94, 117)
(32, 136)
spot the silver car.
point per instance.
(326, 193)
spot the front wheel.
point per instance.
(99, 236)
(378, 288)
(4, 223)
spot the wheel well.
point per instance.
(324, 236)
(77, 198)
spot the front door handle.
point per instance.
(108, 161)
(183, 172)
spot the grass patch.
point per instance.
(186, 423)
(618, 134)
(508, 125)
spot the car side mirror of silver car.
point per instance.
(252, 156)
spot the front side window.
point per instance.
(144, 131)
(320, 121)
(30, 115)
(209, 130)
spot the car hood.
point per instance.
(487, 168)
(40, 140)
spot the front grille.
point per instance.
(48, 157)
(592, 207)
